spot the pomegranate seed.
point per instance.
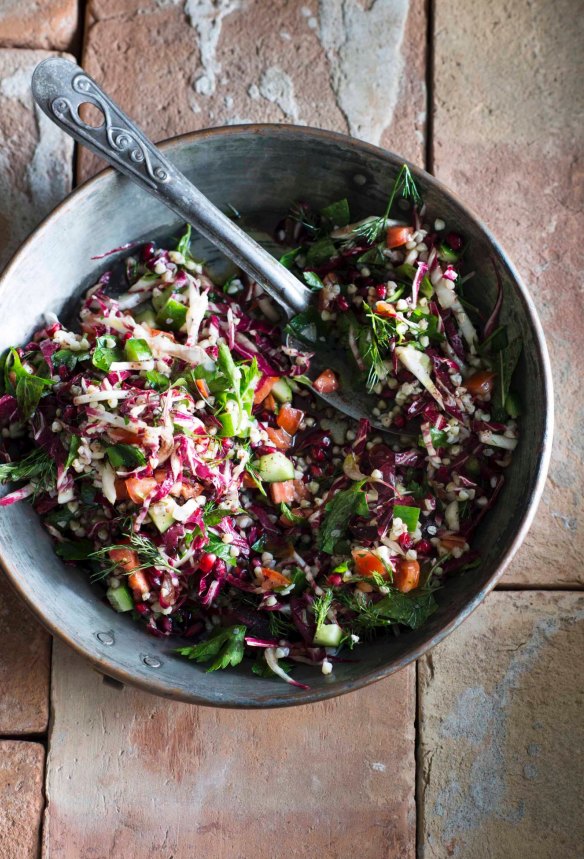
(405, 541)
(316, 471)
(342, 303)
(399, 421)
(335, 580)
(326, 441)
(318, 454)
(142, 609)
(455, 241)
(207, 562)
(147, 251)
(424, 547)
(381, 290)
(227, 443)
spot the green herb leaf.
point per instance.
(339, 512)
(262, 669)
(75, 550)
(213, 515)
(338, 214)
(73, 448)
(321, 606)
(313, 280)
(290, 516)
(104, 356)
(288, 259)
(157, 380)
(306, 326)
(320, 253)
(225, 646)
(28, 388)
(506, 363)
(125, 456)
(67, 358)
(411, 609)
(409, 516)
(184, 243)
(37, 466)
(216, 546)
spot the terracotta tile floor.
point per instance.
(477, 752)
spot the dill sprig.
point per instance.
(279, 627)
(148, 555)
(381, 333)
(405, 187)
(321, 606)
(38, 468)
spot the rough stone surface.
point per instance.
(339, 64)
(21, 798)
(141, 776)
(508, 137)
(500, 766)
(24, 667)
(35, 156)
(38, 23)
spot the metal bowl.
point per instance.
(260, 170)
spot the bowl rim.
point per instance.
(156, 684)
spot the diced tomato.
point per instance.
(301, 490)
(125, 558)
(169, 334)
(273, 579)
(140, 487)
(203, 388)
(121, 490)
(290, 419)
(190, 490)
(279, 438)
(452, 541)
(480, 385)
(123, 436)
(366, 563)
(385, 309)
(283, 493)
(269, 404)
(326, 383)
(139, 584)
(398, 236)
(407, 575)
(263, 389)
(248, 481)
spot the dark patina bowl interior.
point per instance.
(261, 171)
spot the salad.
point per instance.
(174, 448)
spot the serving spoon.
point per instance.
(61, 87)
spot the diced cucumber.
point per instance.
(275, 468)
(148, 316)
(158, 301)
(282, 391)
(172, 315)
(120, 598)
(328, 635)
(513, 405)
(162, 514)
(446, 254)
(137, 349)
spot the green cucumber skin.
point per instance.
(282, 391)
(120, 598)
(329, 635)
(275, 468)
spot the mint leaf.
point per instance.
(288, 259)
(339, 512)
(225, 646)
(411, 609)
(313, 280)
(338, 214)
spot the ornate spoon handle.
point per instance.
(61, 87)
